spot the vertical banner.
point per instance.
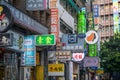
(54, 23)
(95, 10)
(81, 26)
(29, 56)
(90, 21)
(116, 16)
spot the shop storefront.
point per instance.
(12, 43)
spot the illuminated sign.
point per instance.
(78, 56)
(91, 37)
(42, 40)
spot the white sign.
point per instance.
(78, 56)
(91, 37)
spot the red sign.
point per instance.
(54, 23)
(78, 56)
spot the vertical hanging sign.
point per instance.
(116, 16)
(54, 18)
(29, 56)
(54, 23)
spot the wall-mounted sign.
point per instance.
(42, 40)
(91, 37)
(91, 61)
(59, 55)
(77, 56)
(6, 39)
(79, 45)
(18, 41)
(5, 18)
(63, 55)
(36, 4)
(55, 69)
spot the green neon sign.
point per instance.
(42, 40)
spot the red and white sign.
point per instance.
(78, 56)
(54, 23)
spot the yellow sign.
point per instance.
(99, 71)
(37, 58)
(56, 67)
(39, 73)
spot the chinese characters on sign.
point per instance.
(56, 69)
(54, 23)
(36, 4)
(42, 40)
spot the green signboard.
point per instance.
(42, 40)
(92, 50)
(81, 26)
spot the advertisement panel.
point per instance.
(55, 69)
(91, 61)
(29, 55)
(36, 4)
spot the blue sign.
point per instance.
(81, 35)
(96, 10)
(29, 56)
(94, 68)
(72, 38)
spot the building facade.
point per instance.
(108, 11)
